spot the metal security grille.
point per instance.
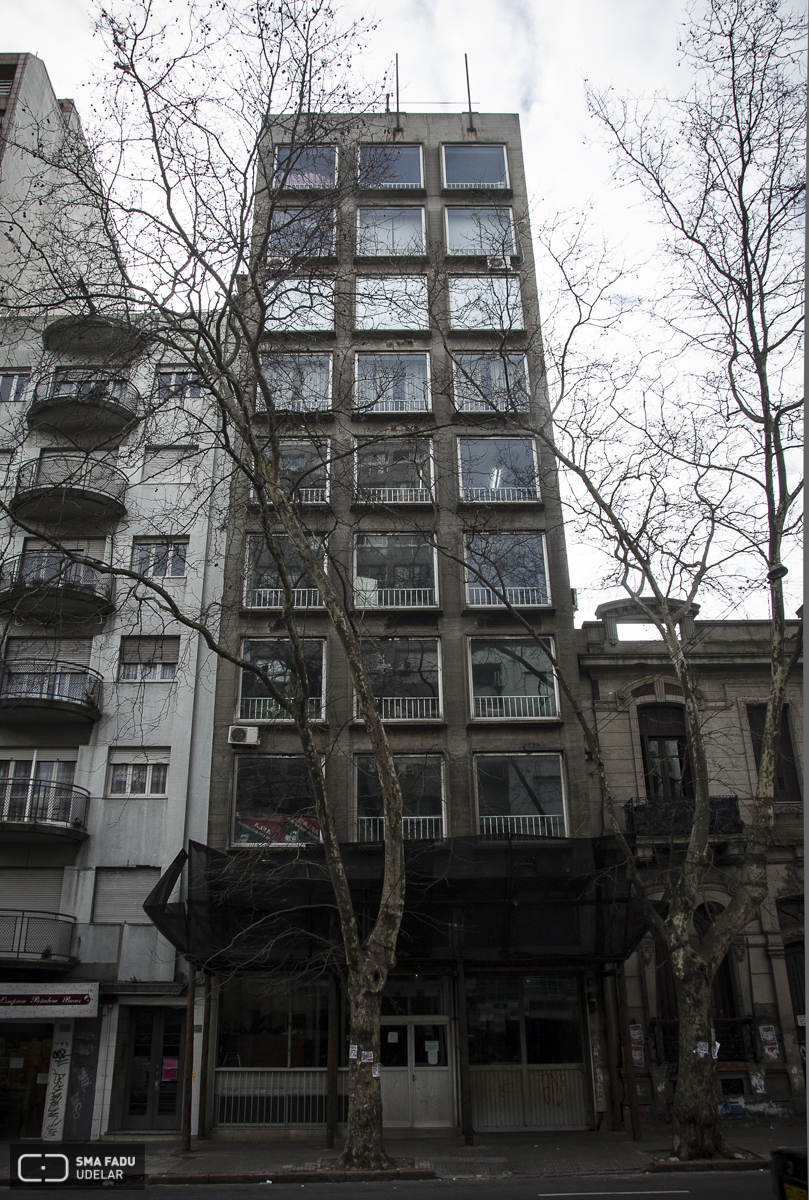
(39, 889)
(120, 892)
(255, 1096)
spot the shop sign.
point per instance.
(47, 1002)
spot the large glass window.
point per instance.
(420, 778)
(394, 471)
(392, 302)
(385, 166)
(405, 676)
(390, 231)
(395, 570)
(274, 1021)
(302, 232)
(475, 166)
(263, 584)
(274, 801)
(552, 1019)
(787, 777)
(506, 568)
(498, 470)
(665, 753)
(485, 302)
(511, 677)
(490, 382)
(480, 231)
(296, 382)
(414, 996)
(275, 656)
(493, 1021)
(520, 795)
(306, 305)
(304, 470)
(393, 383)
(306, 166)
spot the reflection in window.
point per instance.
(404, 674)
(390, 231)
(138, 779)
(520, 794)
(475, 166)
(275, 656)
(264, 588)
(302, 232)
(306, 166)
(480, 231)
(392, 302)
(301, 304)
(419, 777)
(304, 470)
(390, 167)
(393, 383)
(511, 678)
(665, 754)
(506, 568)
(485, 302)
(394, 570)
(273, 1021)
(490, 382)
(498, 470)
(275, 801)
(296, 382)
(396, 471)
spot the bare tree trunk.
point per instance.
(364, 1146)
(697, 1133)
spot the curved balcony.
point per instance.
(41, 939)
(45, 586)
(98, 403)
(67, 689)
(36, 809)
(85, 333)
(69, 487)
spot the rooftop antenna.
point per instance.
(398, 128)
(471, 128)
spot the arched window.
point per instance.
(666, 761)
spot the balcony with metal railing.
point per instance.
(515, 706)
(520, 597)
(38, 808)
(532, 825)
(46, 586)
(265, 708)
(674, 818)
(66, 691)
(394, 495)
(100, 404)
(39, 939)
(373, 597)
(414, 829)
(261, 597)
(499, 495)
(64, 488)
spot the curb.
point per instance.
(723, 1164)
(326, 1176)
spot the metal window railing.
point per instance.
(532, 825)
(515, 706)
(32, 934)
(397, 598)
(520, 597)
(499, 495)
(411, 404)
(248, 1096)
(394, 495)
(372, 829)
(264, 708)
(39, 801)
(42, 569)
(32, 680)
(274, 598)
(491, 404)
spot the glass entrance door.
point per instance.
(153, 1089)
(416, 1079)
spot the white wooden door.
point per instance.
(416, 1075)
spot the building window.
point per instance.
(305, 305)
(520, 795)
(169, 464)
(392, 302)
(490, 382)
(393, 383)
(159, 559)
(787, 781)
(390, 231)
(274, 1021)
(511, 678)
(480, 231)
(302, 233)
(395, 570)
(179, 384)
(664, 744)
(149, 659)
(40, 790)
(138, 779)
(498, 470)
(485, 302)
(421, 780)
(13, 388)
(275, 656)
(304, 470)
(264, 588)
(296, 382)
(306, 166)
(394, 471)
(385, 166)
(475, 166)
(275, 801)
(506, 568)
(406, 678)
(546, 1006)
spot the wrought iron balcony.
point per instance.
(38, 805)
(47, 586)
(530, 825)
(69, 487)
(68, 689)
(372, 829)
(96, 403)
(674, 818)
(37, 937)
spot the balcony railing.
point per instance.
(414, 829)
(264, 708)
(69, 486)
(396, 598)
(394, 495)
(520, 597)
(530, 826)
(735, 1036)
(274, 598)
(515, 706)
(31, 934)
(409, 708)
(674, 818)
(499, 495)
(25, 683)
(492, 404)
(38, 801)
(5, 87)
(48, 584)
(315, 495)
(412, 404)
(66, 404)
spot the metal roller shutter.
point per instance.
(120, 892)
(35, 889)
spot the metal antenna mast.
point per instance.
(471, 128)
(398, 128)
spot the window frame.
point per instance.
(358, 354)
(329, 407)
(360, 442)
(170, 545)
(511, 280)
(687, 776)
(310, 604)
(409, 720)
(383, 282)
(391, 253)
(295, 497)
(137, 761)
(189, 387)
(321, 290)
(390, 187)
(396, 607)
(18, 388)
(481, 407)
(318, 716)
(313, 187)
(442, 816)
(469, 253)
(468, 584)
(238, 759)
(557, 754)
(462, 489)
(473, 716)
(474, 187)
(156, 665)
(277, 255)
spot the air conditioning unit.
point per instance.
(498, 262)
(243, 735)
